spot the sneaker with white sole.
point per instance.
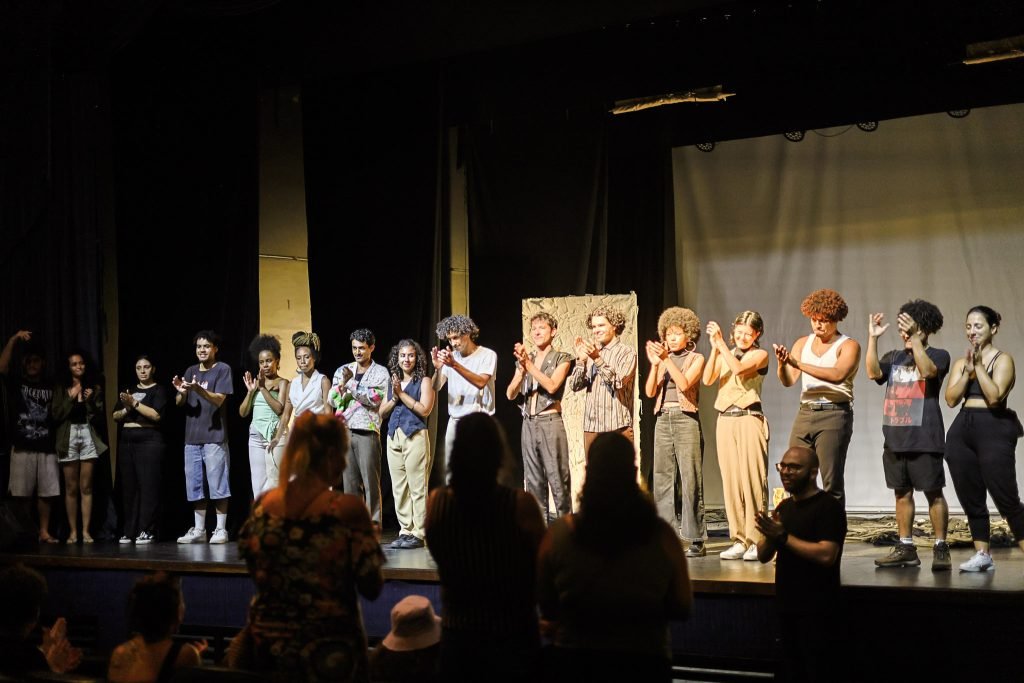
(219, 536)
(980, 562)
(736, 552)
(751, 554)
(124, 540)
(144, 539)
(193, 535)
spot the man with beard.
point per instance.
(806, 531)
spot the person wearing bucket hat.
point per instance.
(409, 652)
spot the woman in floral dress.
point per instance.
(311, 552)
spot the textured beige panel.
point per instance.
(571, 313)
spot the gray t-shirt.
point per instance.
(204, 422)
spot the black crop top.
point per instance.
(974, 386)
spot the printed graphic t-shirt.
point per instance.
(204, 422)
(31, 429)
(911, 416)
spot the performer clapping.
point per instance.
(742, 429)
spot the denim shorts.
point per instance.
(215, 459)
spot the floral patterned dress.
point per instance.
(304, 621)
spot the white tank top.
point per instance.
(816, 390)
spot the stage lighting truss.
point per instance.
(868, 126)
(795, 135)
(959, 113)
(706, 146)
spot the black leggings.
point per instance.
(140, 459)
(980, 452)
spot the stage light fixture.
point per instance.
(959, 113)
(706, 146)
(868, 126)
(795, 135)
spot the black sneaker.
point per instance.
(940, 557)
(696, 550)
(411, 543)
(901, 555)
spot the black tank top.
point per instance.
(974, 386)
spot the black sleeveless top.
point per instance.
(974, 386)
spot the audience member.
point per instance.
(22, 592)
(612, 576)
(409, 652)
(484, 537)
(807, 531)
(311, 552)
(155, 610)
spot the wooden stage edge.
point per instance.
(709, 575)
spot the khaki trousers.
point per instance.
(743, 460)
(409, 462)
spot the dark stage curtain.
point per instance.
(187, 226)
(565, 206)
(376, 199)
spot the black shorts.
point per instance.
(913, 470)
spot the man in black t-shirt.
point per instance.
(912, 426)
(33, 462)
(806, 531)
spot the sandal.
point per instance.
(88, 539)
(72, 540)
(48, 539)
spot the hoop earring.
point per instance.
(691, 346)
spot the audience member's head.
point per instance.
(478, 455)
(22, 592)
(155, 607)
(614, 512)
(414, 626)
(316, 447)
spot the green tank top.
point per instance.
(264, 419)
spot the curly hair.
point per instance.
(926, 314)
(310, 340)
(990, 315)
(457, 324)
(419, 371)
(683, 318)
(551, 320)
(826, 304)
(364, 335)
(208, 335)
(752, 319)
(265, 342)
(613, 315)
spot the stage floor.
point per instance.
(709, 574)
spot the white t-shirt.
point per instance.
(464, 398)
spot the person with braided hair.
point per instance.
(307, 392)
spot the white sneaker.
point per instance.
(219, 536)
(144, 539)
(737, 551)
(980, 562)
(751, 554)
(193, 535)
(124, 540)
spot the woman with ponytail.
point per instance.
(311, 552)
(742, 430)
